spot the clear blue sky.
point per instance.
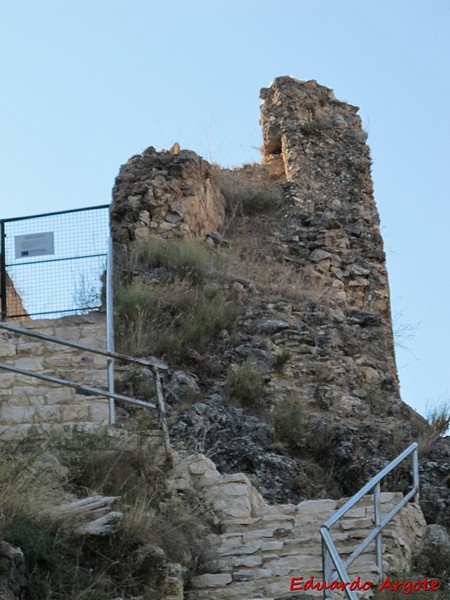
(85, 84)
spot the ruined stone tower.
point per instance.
(333, 227)
(333, 326)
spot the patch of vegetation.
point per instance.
(170, 320)
(176, 311)
(438, 426)
(188, 258)
(63, 563)
(439, 418)
(281, 360)
(288, 420)
(245, 384)
(247, 191)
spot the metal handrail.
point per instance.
(330, 555)
(151, 363)
(88, 390)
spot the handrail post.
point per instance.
(327, 569)
(415, 466)
(329, 551)
(377, 518)
(110, 331)
(162, 410)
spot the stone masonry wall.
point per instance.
(261, 546)
(165, 193)
(333, 230)
(31, 404)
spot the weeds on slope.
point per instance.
(61, 562)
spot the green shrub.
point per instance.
(169, 320)
(289, 422)
(281, 360)
(245, 384)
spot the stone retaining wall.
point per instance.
(29, 403)
(261, 547)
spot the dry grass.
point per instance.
(186, 258)
(61, 563)
(171, 319)
(31, 477)
(256, 253)
(245, 384)
(439, 418)
(248, 191)
(278, 279)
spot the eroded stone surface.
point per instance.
(166, 194)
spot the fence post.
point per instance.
(4, 308)
(110, 330)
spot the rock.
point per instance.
(434, 469)
(216, 239)
(86, 505)
(240, 442)
(271, 326)
(319, 255)
(433, 560)
(103, 525)
(174, 588)
(211, 580)
(173, 191)
(12, 572)
(181, 386)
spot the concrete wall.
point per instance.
(28, 403)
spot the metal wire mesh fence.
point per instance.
(52, 265)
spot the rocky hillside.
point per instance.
(265, 288)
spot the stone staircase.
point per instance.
(261, 547)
